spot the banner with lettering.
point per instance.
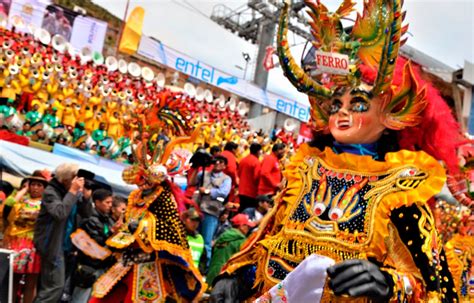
(88, 32)
(157, 51)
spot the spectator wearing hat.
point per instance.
(256, 214)
(191, 221)
(249, 174)
(228, 244)
(25, 207)
(270, 174)
(59, 198)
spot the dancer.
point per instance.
(154, 259)
(353, 223)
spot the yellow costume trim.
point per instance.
(107, 281)
(458, 251)
(139, 280)
(403, 179)
(136, 212)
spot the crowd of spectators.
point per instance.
(40, 217)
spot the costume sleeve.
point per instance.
(415, 226)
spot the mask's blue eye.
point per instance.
(335, 107)
(360, 106)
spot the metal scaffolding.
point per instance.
(245, 20)
(256, 22)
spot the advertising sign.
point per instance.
(155, 50)
(333, 63)
(88, 32)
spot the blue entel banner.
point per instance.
(157, 51)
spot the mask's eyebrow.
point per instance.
(362, 93)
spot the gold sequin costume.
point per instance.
(348, 206)
(460, 252)
(153, 244)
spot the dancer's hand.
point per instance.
(358, 278)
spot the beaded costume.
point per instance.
(155, 261)
(19, 234)
(347, 202)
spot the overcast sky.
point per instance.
(443, 29)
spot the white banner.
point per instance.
(88, 32)
(164, 55)
(30, 12)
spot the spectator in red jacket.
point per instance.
(270, 173)
(249, 174)
(230, 149)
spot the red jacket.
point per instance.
(270, 175)
(249, 174)
(231, 169)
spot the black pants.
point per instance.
(246, 202)
(51, 281)
(4, 271)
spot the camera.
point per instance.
(201, 158)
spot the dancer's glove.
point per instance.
(358, 278)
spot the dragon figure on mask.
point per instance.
(353, 223)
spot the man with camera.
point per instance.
(60, 197)
(212, 190)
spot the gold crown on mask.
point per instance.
(373, 43)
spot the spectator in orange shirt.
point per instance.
(249, 174)
(270, 172)
(230, 149)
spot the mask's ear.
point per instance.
(403, 107)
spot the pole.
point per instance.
(265, 36)
(124, 21)
(245, 70)
(11, 258)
